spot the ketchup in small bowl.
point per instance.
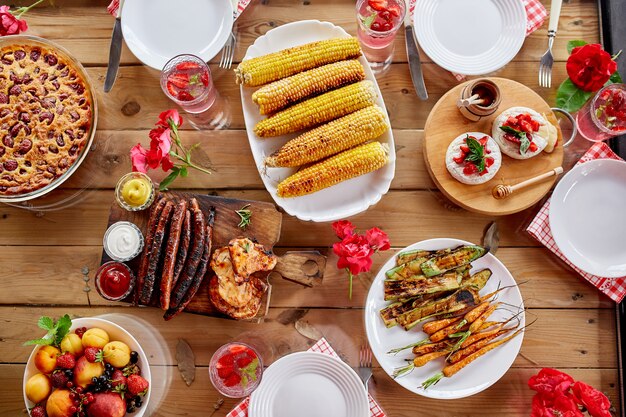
(114, 281)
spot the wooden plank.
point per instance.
(559, 338)
(546, 284)
(228, 153)
(407, 216)
(137, 99)
(171, 397)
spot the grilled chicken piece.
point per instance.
(255, 286)
(229, 290)
(249, 257)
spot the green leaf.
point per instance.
(474, 146)
(42, 341)
(169, 179)
(472, 157)
(45, 323)
(194, 79)
(616, 78)
(62, 328)
(184, 172)
(571, 98)
(517, 133)
(524, 145)
(574, 44)
(367, 21)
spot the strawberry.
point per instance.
(225, 371)
(38, 411)
(183, 66)
(465, 149)
(136, 385)
(205, 78)
(172, 89)
(184, 96)
(532, 147)
(377, 27)
(66, 361)
(237, 349)
(394, 10)
(232, 380)
(245, 360)
(58, 379)
(118, 378)
(489, 161)
(378, 5)
(470, 169)
(93, 354)
(459, 159)
(179, 80)
(385, 15)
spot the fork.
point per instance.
(365, 365)
(545, 66)
(228, 52)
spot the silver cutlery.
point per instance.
(365, 365)
(545, 66)
(115, 51)
(413, 55)
(228, 52)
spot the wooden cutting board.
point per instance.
(306, 268)
(445, 122)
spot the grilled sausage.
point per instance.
(153, 221)
(183, 248)
(171, 250)
(200, 272)
(193, 259)
(155, 254)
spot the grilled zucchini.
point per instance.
(457, 301)
(460, 256)
(419, 285)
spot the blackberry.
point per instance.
(134, 357)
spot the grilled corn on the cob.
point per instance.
(282, 93)
(348, 164)
(318, 110)
(271, 67)
(331, 138)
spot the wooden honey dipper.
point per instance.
(501, 191)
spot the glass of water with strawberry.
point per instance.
(378, 23)
(235, 369)
(604, 116)
(187, 81)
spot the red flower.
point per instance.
(343, 228)
(354, 253)
(138, 158)
(559, 406)
(161, 138)
(596, 402)
(550, 382)
(9, 24)
(169, 114)
(590, 67)
(377, 239)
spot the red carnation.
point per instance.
(343, 228)
(590, 67)
(377, 239)
(9, 24)
(550, 382)
(596, 402)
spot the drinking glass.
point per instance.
(187, 81)
(377, 28)
(604, 115)
(227, 370)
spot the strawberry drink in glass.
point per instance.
(235, 369)
(378, 22)
(604, 116)
(187, 81)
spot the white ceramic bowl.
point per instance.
(115, 333)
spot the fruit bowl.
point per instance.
(116, 333)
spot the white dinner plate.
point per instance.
(475, 377)
(587, 217)
(470, 37)
(158, 30)
(309, 384)
(342, 200)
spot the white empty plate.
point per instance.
(478, 375)
(158, 30)
(309, 384)
(587, 217)
(470, 37)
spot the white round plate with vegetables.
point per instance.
(480, 373)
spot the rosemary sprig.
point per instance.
(245, 216)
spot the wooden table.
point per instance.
(45, 254)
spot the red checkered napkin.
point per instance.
(322, 346)
(539, 228)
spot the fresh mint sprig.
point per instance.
(56, 331)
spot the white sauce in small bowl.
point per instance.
(456, 170)
(123, 241)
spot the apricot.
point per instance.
(84, 371)
(38, 388)
(117, 354)
(73, 344)
(95, 338)
(59, 403)
(46, 359)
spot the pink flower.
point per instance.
(9, 24)
(165, 116)
(343, 228)
(378, 240)
(161, 139)
(139, 159)
(354, 253)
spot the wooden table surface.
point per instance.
(44, 254)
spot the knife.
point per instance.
(115, 53)
(413, 55)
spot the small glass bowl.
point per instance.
(102, 268)
(120, 185)
(133, 254)
(237, 391)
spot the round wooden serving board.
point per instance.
(445, 122)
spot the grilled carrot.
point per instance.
(461, 354)
(483, 317)
(448, 331)
(476, 312)
(431, 347)
(424, 359)
(436, 325)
